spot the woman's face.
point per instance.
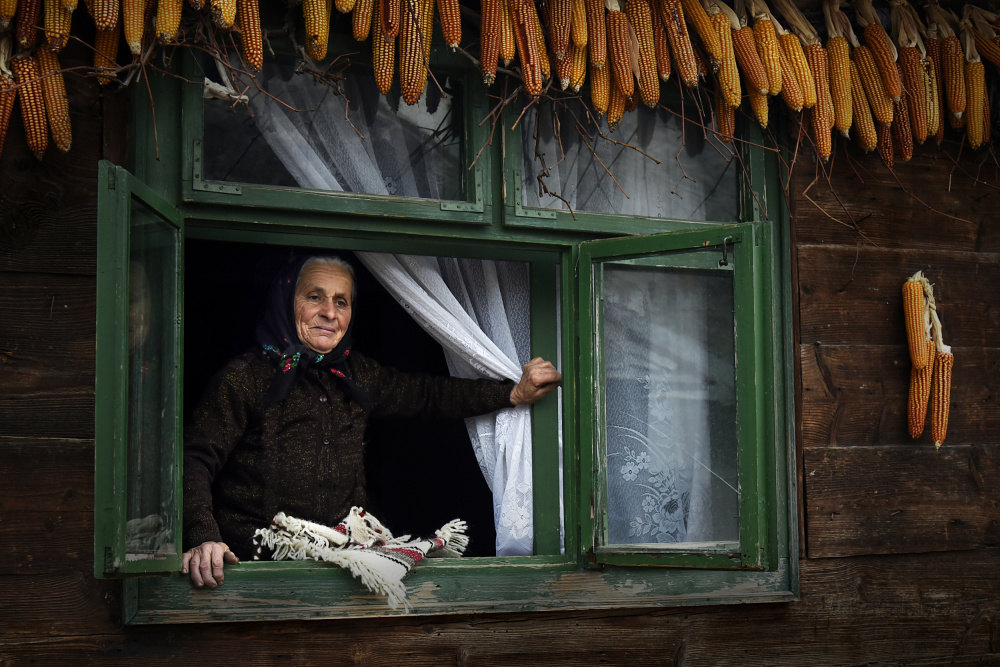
(322, 306)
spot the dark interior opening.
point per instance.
(421, 474)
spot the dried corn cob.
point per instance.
(32, 103)
(770, 53)
(661, 46)
(564, 67)
(600, 89)
(920, 393)
(725, 116)
(822, 114)
(953, 71)
(8, 93)
(527, 31)
(933, 98)
(489, 38)
(916, 314)
(975, 85)
(578, 27)
(383, 53)
(941, 395)
(8, 10)
(696, 15)
(451, 22)
(29, 18)
(729, 74)
(57, 22)
(759, 104)
(641, 19)
(879, 100)
(885, 144)
(937, 108)
(596, 33)
(560, 18)
(317, 24)
(56, 104)
(616, 106)
(134, 24)
(791, 92)
(987, 125)
(390, 17)
(916, 84)
(838, 53)
(579, 70)
(248, 18)
(539, 33)
(749, 61)
(864, 126)
(619, 50)
(792, 47)
(680, 41)
(168, 19)
(105, 53)
(344, 6)
(882, 49)
(987, 48)
(902, 135)
(508, 45)
(411, 51)
(361, 19)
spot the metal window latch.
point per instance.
(725, 251)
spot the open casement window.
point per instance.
(138, 378)
(674, 339)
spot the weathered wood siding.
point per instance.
(900, 557)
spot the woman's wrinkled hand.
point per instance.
(206, 563)
(538, 378)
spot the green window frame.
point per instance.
(581, 574)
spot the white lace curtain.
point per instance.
(477, 310)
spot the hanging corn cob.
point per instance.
(600, 89)
(952, 59)
(694, 12)
(822, 114)
(383, 52)
(8, 9)
(57, 21)
(746, 52)
(917, 317)
(878, 98)
(32, 103)
(640, 18)
(616, 106)
(224, 14)
(936, 108)
(134, 24)
(560, 18)
(578, 31)
(620, 50)
(802, 48)
(838, 48)
(975, 86)
(725, 115)
(578, 73)
(984, 33)
(527, 32)
(543, 49)
(508, 45)
(344, 6)
(411, 51)
(759, 104)
(451, 22)
(105, 52)
(920, 394)
(791, 89)
(361, 19)
(489, 39)
(28, 17)
(168, 19)
(8, 93)
(680, 41)
(943, 361)
(661, 45)
(882, 48)
(885, 144)
(596, 32)
(56, 104)
(248, 19)
(390, 17)
(913, 66)
(902, 135)
(766, 41)
(864, 127)
(728, 75)
(316, 16)
(564, 67)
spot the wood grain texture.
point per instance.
(47, 338)
(857, 395)
(47, 506)
(901, 499)
(853, 295)
(912, 610)
(48, 209)
(931, 203)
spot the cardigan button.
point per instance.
(322, 399)
(326, 441)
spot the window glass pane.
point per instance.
(152, 382)
(668, 349)
(301, 133)
(678, 174)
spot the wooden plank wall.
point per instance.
(900, 551)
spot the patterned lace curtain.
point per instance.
(477, 310)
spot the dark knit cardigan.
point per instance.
(245, 459)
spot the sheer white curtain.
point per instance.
(477, 310)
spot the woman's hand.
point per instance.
(206, 563)
(538, 378)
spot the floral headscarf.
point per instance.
(277, 333)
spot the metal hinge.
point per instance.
(208, 186)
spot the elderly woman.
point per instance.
(281, 427)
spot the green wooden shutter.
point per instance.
(138, 445)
